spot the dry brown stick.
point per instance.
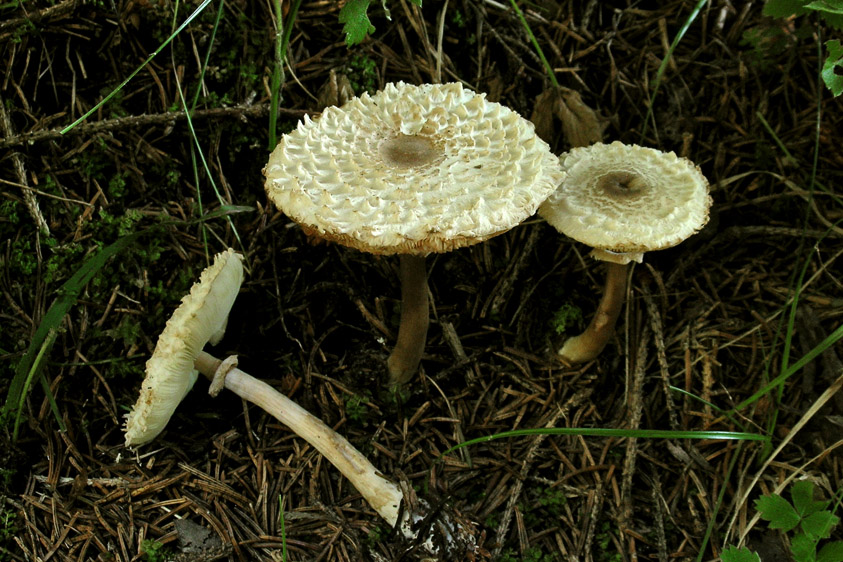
(20, 171)
(661, 355)
(636, 406)
(593, 516)
(237, 111)
(60, 9)
(505, 286)
(515, 492)
(573, 402)
(656, 494)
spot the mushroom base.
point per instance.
(588, 345)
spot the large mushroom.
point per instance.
(172, 371)
(623, 200)
(411, 170)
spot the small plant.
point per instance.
(375, 536)
(603, 542)
(355, 408)
(154, 551)
(810, 520)
(7, 525)
(742, 554)
(830, 11)
(354, 16)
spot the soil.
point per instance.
(706, 325)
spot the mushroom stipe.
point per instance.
(411, 170)
(623, 200)
(449, 534)
(172, 370)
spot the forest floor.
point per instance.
(706, 327)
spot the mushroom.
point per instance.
(623, 200)
(411, 170)
(172, 371)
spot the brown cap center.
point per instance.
(623, 184)
(408, 151)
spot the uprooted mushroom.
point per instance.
(623, 200)
(411, 170)
(172, 370)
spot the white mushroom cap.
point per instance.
(623, 200)
(170, 374)
(412, 169)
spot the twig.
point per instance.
(28, 194)
(237, 112)
(636, 405)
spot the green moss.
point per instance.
(566, 317)
(362, 74)
(22, 257)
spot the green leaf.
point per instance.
(833, 80)
(802, 493)
(819, 525)
(784, 8)
(827, 6)
(777, 511)
(804, 548)
(742, 554)
(356, 22)
(831, 552)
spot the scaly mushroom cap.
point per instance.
(412, 169)
(201, 316)
(627, 199)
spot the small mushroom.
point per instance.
(172, 370)
(411, 170)
(623, 200)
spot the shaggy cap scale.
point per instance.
(170, 375)
(628, 199)
(412, 169)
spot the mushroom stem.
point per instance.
(591, 342)
(415, 317)
(383, 495)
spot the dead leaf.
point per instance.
(581, 125)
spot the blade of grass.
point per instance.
(283, 531)
(797, 279)
(195, 147)
(534, 41)
(160, 48)
(67, 296)
(282, 41)
(663, 66)
(198, 150)
(712, 521)
(205, 62)
(43, 351)
(726, 413)
(832, 338)
(611, 432)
